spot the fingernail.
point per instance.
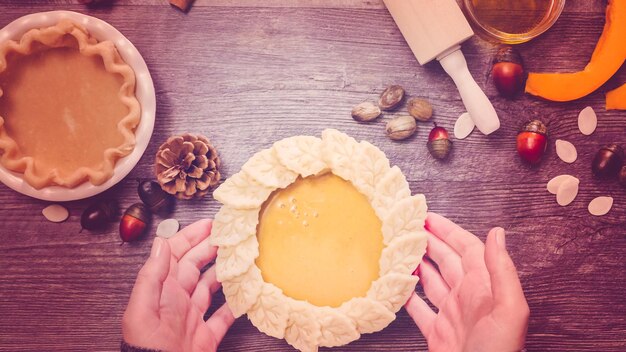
(416, 271)
(156, 247)
(500, 240)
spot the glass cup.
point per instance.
(512, 21)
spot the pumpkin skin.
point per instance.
(608, 56)
(616, 99)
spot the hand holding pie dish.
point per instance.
(318, 240)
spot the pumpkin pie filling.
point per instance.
(319, 241)
(46, 102)
(67, 107)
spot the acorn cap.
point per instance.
(139, 211)
(615, 149)
(154, 197)
(439, 148)
(508, 54)
(535, 126)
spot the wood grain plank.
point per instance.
(248, 75)
(571, 6)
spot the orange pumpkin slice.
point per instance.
(616, 99)
(608, 56)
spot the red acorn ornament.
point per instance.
(134, 222)
(508, 72)
(439, 144)
(532, 141)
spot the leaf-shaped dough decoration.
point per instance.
(301, 154)
(336, 328)
(368, 315)
(241, 191)
(232, 226)
(339, 150)
(370, 165)
(403, 254)
(242, 292)
(393, 290)
(406, 216)
(267, 170)
(392, 188)
(303, 329)
(233, 261)
(270, 313)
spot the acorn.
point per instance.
(608, 161)
(134, 222)
(508, 72)
(532, 141)
(98, 214)
(622, 176)
(439, 144)
(155, 198)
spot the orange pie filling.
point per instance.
(319, 241)
(64, 115)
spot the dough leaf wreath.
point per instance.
(302, 324)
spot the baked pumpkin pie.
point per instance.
(68, 109)
(318, 240)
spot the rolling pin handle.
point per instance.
(476, 102)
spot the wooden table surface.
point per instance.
(249, 72)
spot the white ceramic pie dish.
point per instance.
(144, 92)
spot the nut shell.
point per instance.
(401, 127)
(365, 112)
(391, 97)
(420, 109)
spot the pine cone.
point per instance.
(187, 166)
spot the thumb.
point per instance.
(506, 288)
(145, 298)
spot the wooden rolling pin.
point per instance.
(435, 29)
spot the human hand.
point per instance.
(169, 299)
(480, 302)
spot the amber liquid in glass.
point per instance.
(513, 18)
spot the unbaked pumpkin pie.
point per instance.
(67, 106)
(318, 240)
